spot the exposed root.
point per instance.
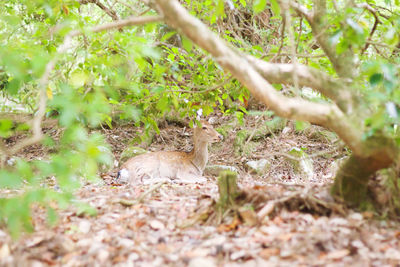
(252, 206)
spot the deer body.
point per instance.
(173, 166)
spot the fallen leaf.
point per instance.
(157, 225)
(248, 216)
(229, 227)
(268, 252)
(338, 254)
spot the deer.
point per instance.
(172, 166)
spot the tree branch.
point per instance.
(118, 24)
(377, 21)
(328, 115)
(309, 77)
(108, 11)
(343, 63)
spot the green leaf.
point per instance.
(79, 79)
(187, 44)
(276, 9)
(13, 86)
(375, 79)
(52, 217)
(86, 209)
(9, 179)
(259, 5)
(302, 125)
(355, 26)
(157, 89)
(168, 35)
(163, 103)
(220, 8)
(5, 128)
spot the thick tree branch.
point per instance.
(328, 115)
(343, 63)
(313, 78)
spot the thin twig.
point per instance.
(107, 10)
(297, 55)
(282, 41)
(300, 33)
(149, 191)
(377, 21)
(128, 202)
(293, 49)
(254, 130)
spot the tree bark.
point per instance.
(351, 181)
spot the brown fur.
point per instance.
(176, 166)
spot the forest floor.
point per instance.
(290, 219)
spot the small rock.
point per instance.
(11, 161)
(356, 216)
(131, 151)
(286, 130)
(157, 225)
(216, 169)
(213, 120)
(304, 164)
(258, 166)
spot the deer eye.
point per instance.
(204, 128)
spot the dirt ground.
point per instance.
(290, 220)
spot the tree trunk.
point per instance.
(351, 181)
